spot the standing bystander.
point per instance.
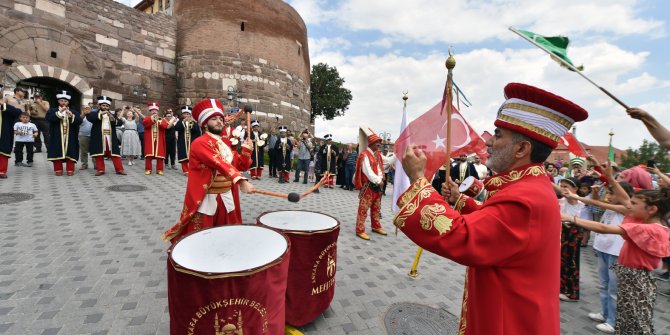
(25, 132)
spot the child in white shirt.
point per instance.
(25, 132)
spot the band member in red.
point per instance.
(257, 155)
(214, 169)
(104, 142)
(283, 147)
(187, 132)
(64, 132)
(369, 179)
(510, 243)
(8, 115)
(154, 139)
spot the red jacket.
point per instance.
(205, 161)
(154, 137)
(376, 163)
(511, 245)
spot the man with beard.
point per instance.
(510, 243)
(104, 141)
(214, 171)
(154, 139)
(64, 131)
(283, 147)
(462, 169)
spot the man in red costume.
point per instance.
(154, 139)
(369, 179)
(511, 242)
(214, 172)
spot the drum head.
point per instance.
(229, 249)
(298, 221)
(465, 185)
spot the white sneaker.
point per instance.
(605, 328)
(596, 317)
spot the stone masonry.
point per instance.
(105, 48)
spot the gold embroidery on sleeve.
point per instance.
(432, 216)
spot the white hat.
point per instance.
(187, 109)
(103, 99)
(328, 137)
(255, 123)
(283, 129)
(63, 94)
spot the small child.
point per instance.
(25, 132)
(646, 241)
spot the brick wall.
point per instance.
(99, 47)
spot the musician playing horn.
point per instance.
(283, 147)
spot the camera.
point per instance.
(651, 163)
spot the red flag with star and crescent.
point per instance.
(429, 133)
(573, 145)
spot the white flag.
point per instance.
(400, 180)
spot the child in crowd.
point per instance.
(571, 238)
(607, 247)
(25, 132)
(646, 242)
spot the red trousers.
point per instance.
(256, 172)
(159, 163)
(100, 162)
(284, 175)
(201, 221)
(184, 166)
(69, 166)
(371, 200)
(3, 164)
(331, 181)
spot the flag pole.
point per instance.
(404, 111)
(450, 64)
(571, 67)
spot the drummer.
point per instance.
(214, 174)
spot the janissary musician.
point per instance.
(369, 179)
(187, 131)
(8, 115)
(154, 139)
(104, 142)
(64, 131)
(510, 243)
(214, 170)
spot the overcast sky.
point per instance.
(383, 47)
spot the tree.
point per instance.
(648, 151)
(328, 96)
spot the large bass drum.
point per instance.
(228, 280)
(313, 264)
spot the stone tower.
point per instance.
(245, 52)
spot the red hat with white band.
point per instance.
(206, 109)
(153, 105)
(538, 114)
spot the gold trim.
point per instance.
(460, 202)
(538, 130)
(535, 110)
(514, 175)
(421, 189)
(464, 305)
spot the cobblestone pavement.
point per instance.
(79, 259)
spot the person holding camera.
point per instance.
(304, 148)
(369, 179)
(37, 114)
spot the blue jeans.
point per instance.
(608, 286)
(303, 165)
(349, 171)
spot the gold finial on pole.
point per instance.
(450, 64)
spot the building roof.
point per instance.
(144, 4)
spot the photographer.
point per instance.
(37, 114)
(170, 140)
(304, 147)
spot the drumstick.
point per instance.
(292, 197)
(316, 186)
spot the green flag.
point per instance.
(557, 45)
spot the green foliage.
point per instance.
(648, 150)
(328, 95)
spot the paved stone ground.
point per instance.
(77, 259)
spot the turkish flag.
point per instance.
(573, 145)
(429, 132)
